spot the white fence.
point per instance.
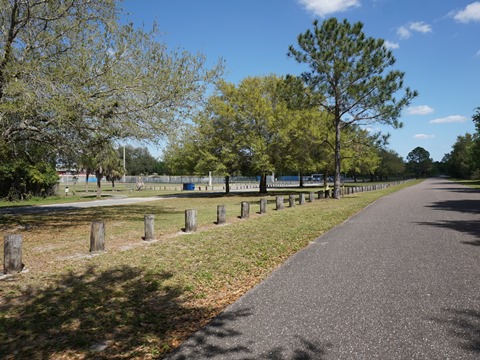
(163, 179)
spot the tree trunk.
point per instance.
(336, 184)
(301, 180)
(87, 175)
(263, 183)
(227, 184)
(98, 174)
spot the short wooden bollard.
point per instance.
(311, 196)
(221, 214)
(97, 236)
(245, 212)
(301, 199)
(263, 206)
(291, 200)
(190, 220)
(149, 227)
(12, 254)
(327, 193)
(279, 203)
(320, 194)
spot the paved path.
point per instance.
(76, 205)
(400, 280)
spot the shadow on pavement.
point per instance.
(463, 206)
(468, 227)
(464, 326)
(205, 344)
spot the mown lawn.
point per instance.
(138, 299)
(471, 183)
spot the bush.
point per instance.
(20, 180)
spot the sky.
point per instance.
(435, 42)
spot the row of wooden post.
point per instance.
(13, 243)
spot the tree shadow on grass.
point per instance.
(464, 326)
(64, 218)
(123, 312)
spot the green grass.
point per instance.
(142, 299)
(471, 183)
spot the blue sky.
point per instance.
(436, 43)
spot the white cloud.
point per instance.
(423, 136)
(449, 119)
(420, 27)
(391, 45)
(470, 13)
(325, 7)
(420, 110)
(405, 31)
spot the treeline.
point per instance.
(464, 159)
(266, 124)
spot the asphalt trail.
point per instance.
(400, 280)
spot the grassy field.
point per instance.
(141, 300)
(471, 183)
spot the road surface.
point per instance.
(400, 280)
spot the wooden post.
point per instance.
(301, 199)
(97, 236)
(320, 194)
(12, 254)
(190, 220)
(291, 200)
(263, 206)
(149, 227)
(311, 196)
(245, 213)
(279, 202)
(327, 193)
(221, 214)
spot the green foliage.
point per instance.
(71, 75)
(464, 159)
(348, 71)
(21, 179)
(360, 151)
(261, 125)
(139, 161)
(461, 161)
(69, 68)
(419, 162)
(391, 165)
